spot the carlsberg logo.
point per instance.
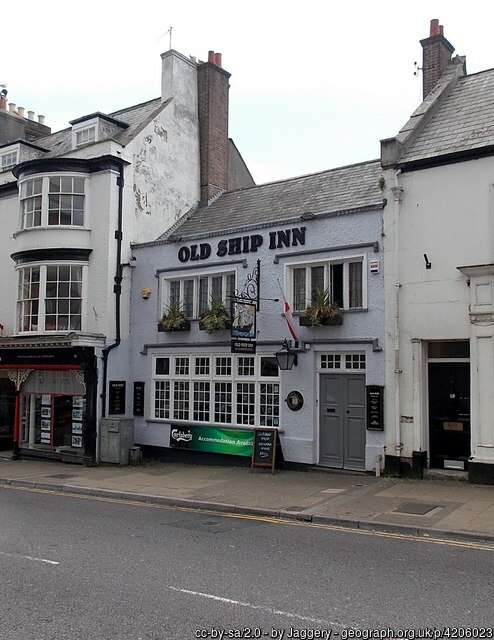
(181, 436)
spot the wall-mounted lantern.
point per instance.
(286, 358)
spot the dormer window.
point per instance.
(8, 160)
(95, 127)
(85, 136)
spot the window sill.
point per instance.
(52, 227)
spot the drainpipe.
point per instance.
(397, 193)
(117, 289)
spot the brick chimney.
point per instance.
(436, 56)
(213, 87)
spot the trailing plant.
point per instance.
(322, 308)
(215, 316)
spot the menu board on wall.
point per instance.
(375, 408)
(116, 402)
(138, 398)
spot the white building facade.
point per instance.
(439, 249)
(197, 390)
(71, 203)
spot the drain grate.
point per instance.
(415, 508)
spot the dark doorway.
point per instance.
(449, 414)
(7, 409)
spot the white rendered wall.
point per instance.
(446, 213)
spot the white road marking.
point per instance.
(19, 555)
(239, 603)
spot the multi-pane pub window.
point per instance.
(223, 390)
(344, 280)
(50, 298)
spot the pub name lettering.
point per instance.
(244, 244)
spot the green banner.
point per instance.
(231, 441)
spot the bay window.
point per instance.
(49, 298)
(52, 201)
(344, 279)
(194, 294)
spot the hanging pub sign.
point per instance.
(243, 330)
(375, 408)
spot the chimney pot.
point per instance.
(217, 59)
(30, 115)
(435, 29)
(211, 56)
(12, 108)
(41, 119)
(3, 103)
(20, 111)
(436, 56)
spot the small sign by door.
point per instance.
(116, 402)
(375, 408)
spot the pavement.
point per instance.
(441, 508)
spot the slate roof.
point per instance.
(60, 143)
(462, 122)
(336, 191)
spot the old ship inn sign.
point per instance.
(244, 244)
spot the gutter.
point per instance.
(117, 290)
(397, 193)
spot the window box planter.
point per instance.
(321, 311)
(215, 316)
(185, 327)
(305, 321)
(204, 327)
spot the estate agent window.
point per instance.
(53, 410)
(223, 389)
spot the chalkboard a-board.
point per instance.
(264, 448)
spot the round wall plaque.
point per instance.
(295, 400)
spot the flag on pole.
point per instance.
(288, 314)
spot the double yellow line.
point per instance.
(427, 538)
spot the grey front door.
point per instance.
(342, 421)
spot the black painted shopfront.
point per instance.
(48, 402)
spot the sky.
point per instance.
(314, 85)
